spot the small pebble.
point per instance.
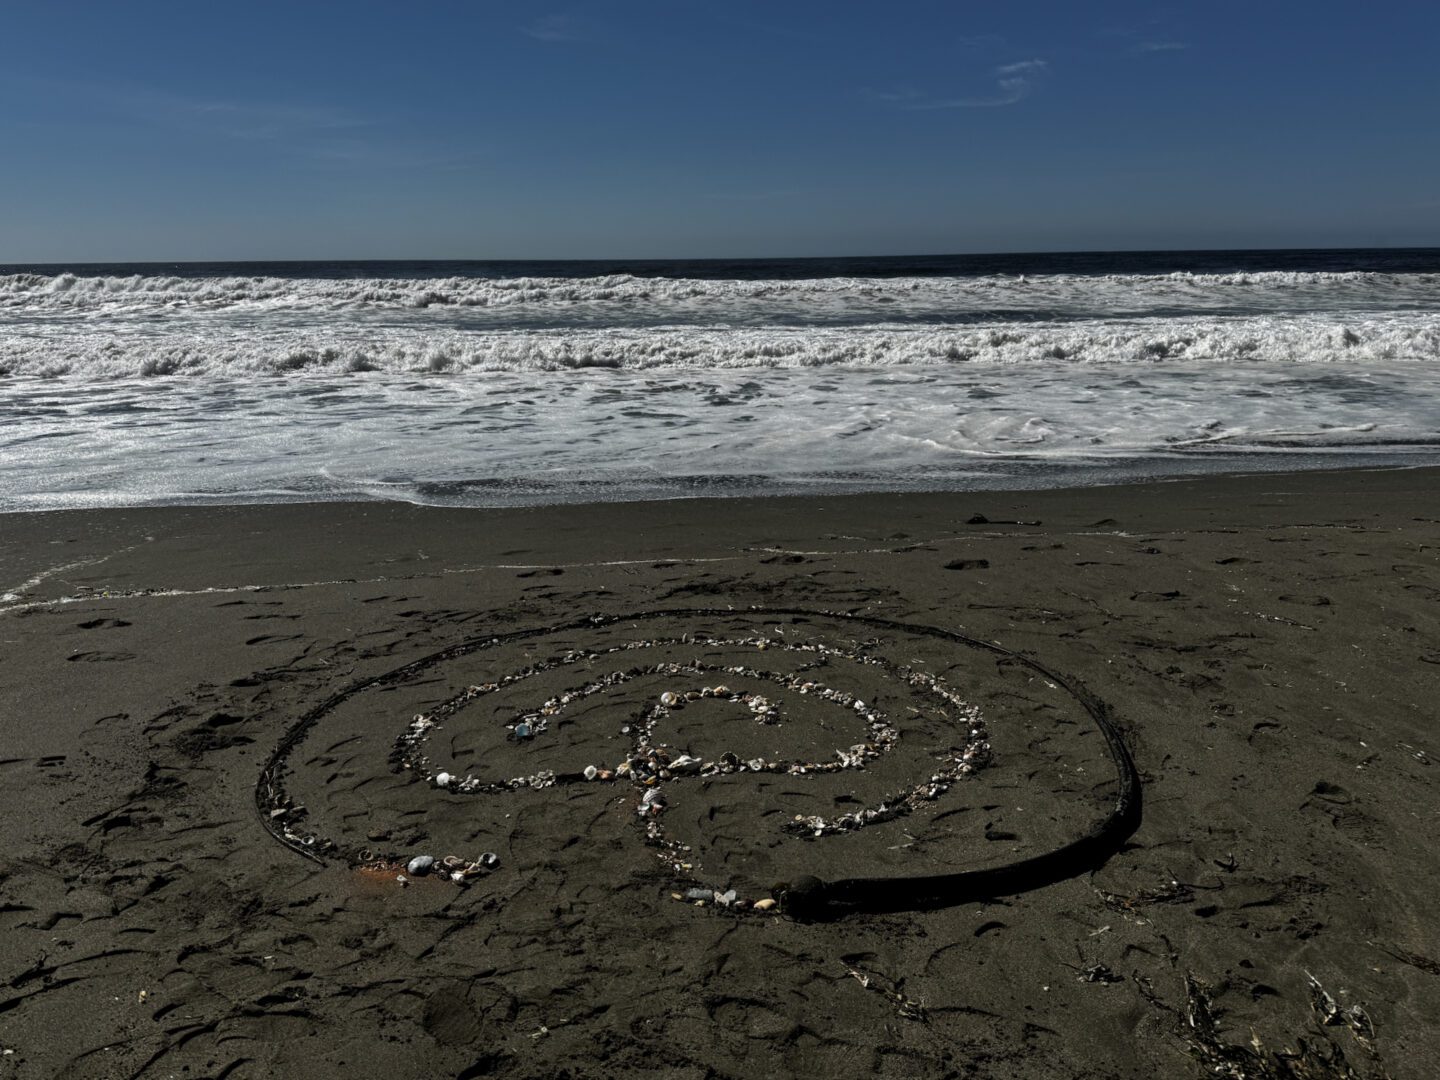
(442, 779)
(420, 865)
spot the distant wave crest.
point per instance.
(39, 294)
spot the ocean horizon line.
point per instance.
(1029, 253)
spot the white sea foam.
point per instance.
(221, 351)
(125, 390)
(37, 294)
(530, 436)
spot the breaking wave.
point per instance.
(1309, 339)
(39, 294)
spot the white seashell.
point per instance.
(764, 905)
(591, 772)
(420, 865)
(442, 779)
(669, 700)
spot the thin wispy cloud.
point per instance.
(980, 42)
(225, 118)
(756, 196)
(1013, 83)
(322, 136)
(304, 133)
(246, 120)
(769, 29)
(320, 133)
(1132, 30)
(1155, 35)
(902, 95)
(556, 27)
(396, 156)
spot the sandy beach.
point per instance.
(1269, 647)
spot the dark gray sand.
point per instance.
(1269, 645)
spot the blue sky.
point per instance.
(630, 128)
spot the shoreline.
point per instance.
(933, 509)
(1132, 475)
(1263, 641)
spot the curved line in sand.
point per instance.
(804, 896)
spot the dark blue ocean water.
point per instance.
(1328, 260)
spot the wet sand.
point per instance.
(1270, 647)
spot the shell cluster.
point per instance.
(459, 870)
(288, 817)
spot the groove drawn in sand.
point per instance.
(557, 695)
